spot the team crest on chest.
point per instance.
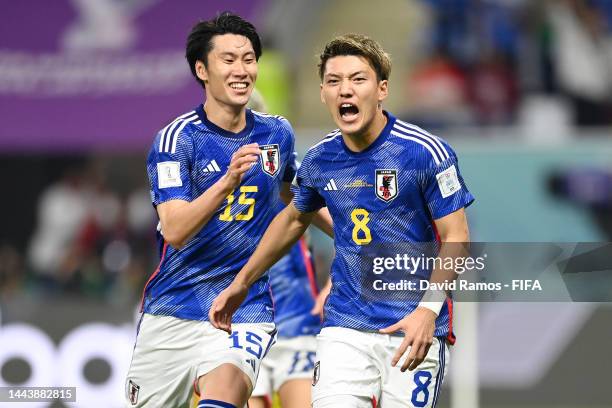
(270, 159)
(386, 184)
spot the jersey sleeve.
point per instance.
(169, 171)
(305, 195)
(291, 167)
(442, 184)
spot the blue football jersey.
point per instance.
(187, 157)
(294, 289)
(390, 193)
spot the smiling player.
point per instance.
(216, 174)
(384, 181)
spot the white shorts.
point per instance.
(288, 359)
(171, 354)
(358, 364)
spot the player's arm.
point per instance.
(419, 326)
(319, 305)
(322, 219)
(181, 220)
(284, 231)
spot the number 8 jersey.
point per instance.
(390, 193)
(187, 157)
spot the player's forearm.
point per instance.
(182, 222)
(454, 245)
(284, 231)
(454, 237)
(322, 220)
(449, 250)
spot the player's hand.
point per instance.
(418, 328)
(317, 309)
(225, 305)
(242, 160)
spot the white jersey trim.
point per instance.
(407, 127)
(167, 142)
(331, 136)
(421, 142)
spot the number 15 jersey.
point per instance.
(187, 157)
(390, 193)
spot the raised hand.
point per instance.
(242, 160)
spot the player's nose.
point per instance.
(345, 88)
(239, 69)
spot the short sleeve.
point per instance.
(169, 171)
(442, 184)
(305, 196)
(291, 167)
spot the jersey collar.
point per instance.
(226, 133)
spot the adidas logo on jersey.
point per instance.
(331, 186)
(212, 167)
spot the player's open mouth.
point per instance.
(348, 111)
(239, 85)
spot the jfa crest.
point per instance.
(270, 160)
(386, 184)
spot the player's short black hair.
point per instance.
(361, 46)
(200, 39)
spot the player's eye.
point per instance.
(360, 79)
(249, 60)
(332, 81)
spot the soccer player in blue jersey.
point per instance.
(216, 174)
(384, 182)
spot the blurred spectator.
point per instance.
(471, 77)
(75, 215)
(464, 28)
(493, 90)
(450, 28)
(582, 48)
(62, 211)
(438, 93)
(140, 240)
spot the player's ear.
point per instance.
(201, 71)
(383, 90)
(321, 93)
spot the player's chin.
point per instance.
(349, 128)
(239, 101)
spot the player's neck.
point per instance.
(358, 142)
(226, 117)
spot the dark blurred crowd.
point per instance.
(484, 58)
(86, 239)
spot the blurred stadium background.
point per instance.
(521, 88)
